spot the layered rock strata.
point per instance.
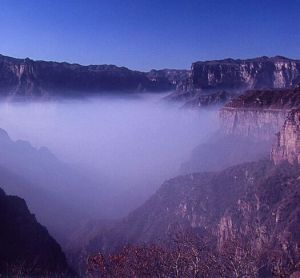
(258, 113)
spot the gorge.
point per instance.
(251, 207)
(238, 190)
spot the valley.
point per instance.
(135, 169)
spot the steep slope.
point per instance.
(26, 246)
(287, 146)
(255, 204)
(28, 78)
(197, 200)
(247, 211)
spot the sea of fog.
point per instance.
(131, 144)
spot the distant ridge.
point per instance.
(29, 78)
(236, 76)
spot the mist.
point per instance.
(125, 147)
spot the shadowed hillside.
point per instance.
(27, 249)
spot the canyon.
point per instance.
(28, 78)
(250, 207)
(239, 190)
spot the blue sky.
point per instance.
(142, 34)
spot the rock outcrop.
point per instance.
(27, 249)
(28, 78)
(249, 124)
(262, 72)
(287, 146)
(239, 75)
(258, 113)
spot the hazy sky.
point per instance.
(145, 34)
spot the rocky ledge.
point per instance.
(259, 113)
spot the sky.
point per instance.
(147, 34)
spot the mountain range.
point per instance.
(28, 78)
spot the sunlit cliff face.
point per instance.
(130, 144)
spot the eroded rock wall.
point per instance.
(258, 113)
(256, 73)
(287, 145)
(254, 123)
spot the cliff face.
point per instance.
(249, 123)
(266, 220)
(236, 76)
(259, 124)
(287, 147)
(258, 113)
(230, 74)
(25, 77)
(27, 249)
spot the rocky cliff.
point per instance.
(258, 113)
(240, 75)
(249, 123)
(287, 145)
(236, 76)
(25, 77)
(28, 78)
(262, 72)
(27, 249)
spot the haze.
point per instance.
(127, 146)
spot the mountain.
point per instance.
(27, 249)
(28, 78)
(238, 75)
(255, 204)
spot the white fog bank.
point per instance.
(130, 144)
